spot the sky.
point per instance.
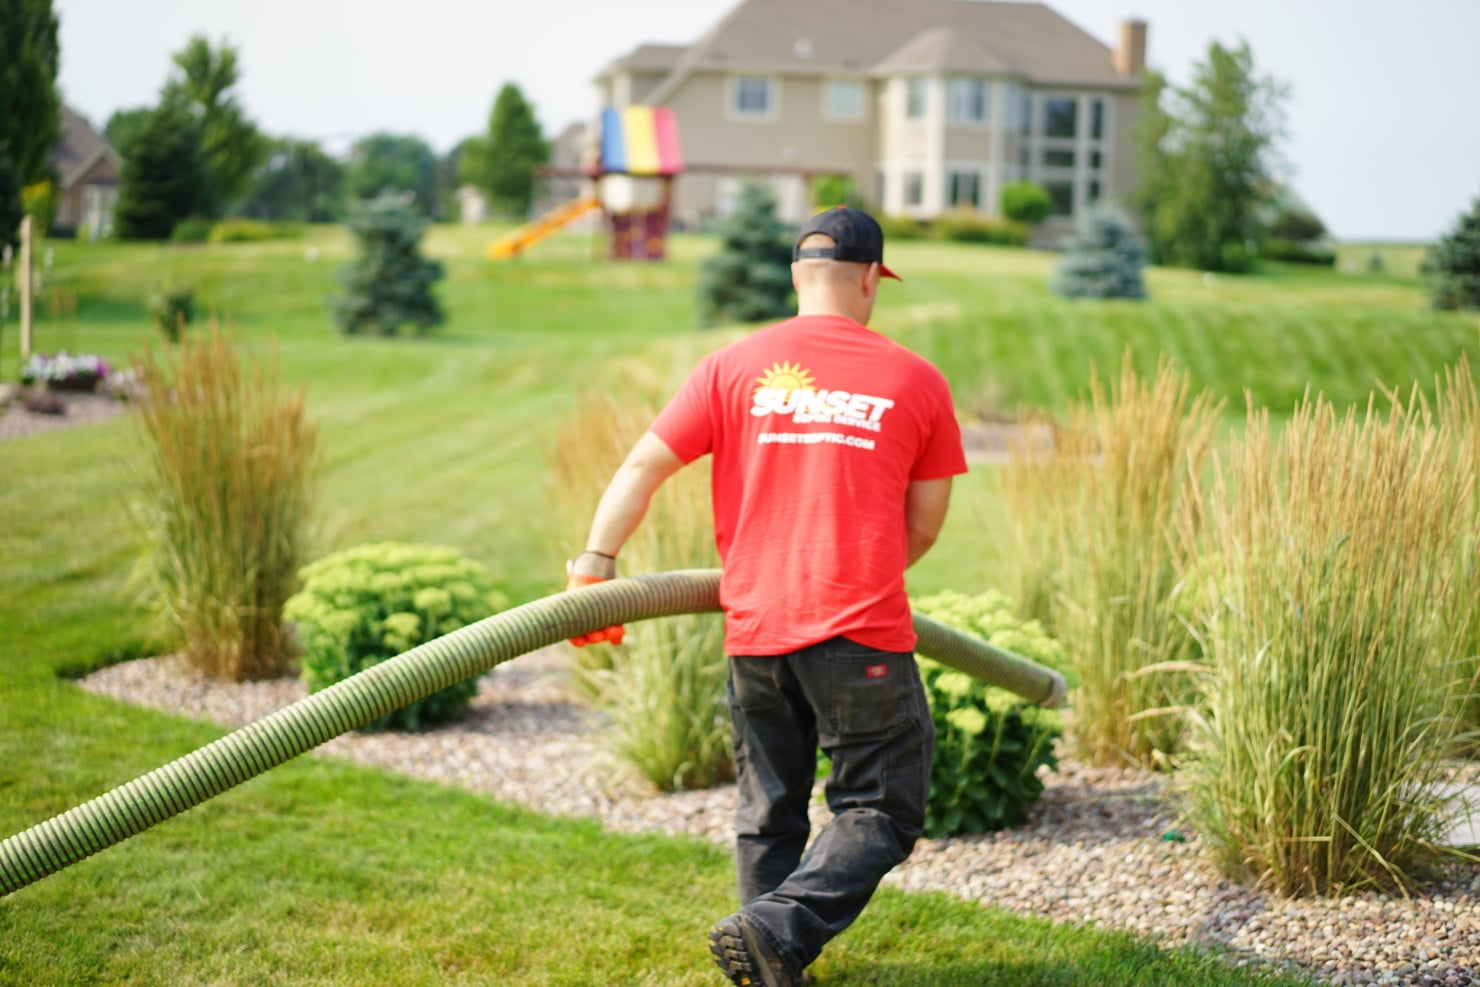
(1376, 139)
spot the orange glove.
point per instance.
(583, 570)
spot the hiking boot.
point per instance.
(742, 952)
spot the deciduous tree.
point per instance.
(230, 144)
(1206, 156)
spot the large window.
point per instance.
(917, 98)
(968, 100)
(1060, 117)
(752, 97)
(914, 188)
(843, 99)
(966, 189)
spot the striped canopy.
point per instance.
(640, 140)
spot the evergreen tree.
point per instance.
(385, 162)
(515, 147)
(391, 282)
(1104, 259)
(30, 106)
(749, 280)
(230, 144)
(1456, 263)
(164, 179)
(125, 127)
(1205, 161)
(11, 210)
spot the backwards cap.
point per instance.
(856, 237)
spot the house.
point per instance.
(928, 105)
(87, 170)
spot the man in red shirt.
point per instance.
(834, 449)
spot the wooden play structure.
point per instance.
(629, 173)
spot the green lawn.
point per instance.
(324, 873)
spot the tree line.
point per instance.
(197, 155)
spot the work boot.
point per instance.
(742, 952)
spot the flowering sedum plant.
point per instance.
(366, 604)
(65, 371)
(989, 743)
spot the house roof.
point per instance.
(863, 37)
(646, 58)
(80, 148)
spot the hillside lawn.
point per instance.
(325, 873)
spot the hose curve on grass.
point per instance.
(151, 798)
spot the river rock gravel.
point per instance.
(1102, 846)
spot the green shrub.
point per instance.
(172, 307)
(227, 500)
(989, 743)
(903, 228)
(251, 231)
(193, 229)
(836, 190)
(1295, 252)
(1026, 202)
(366, 604)
(969, 227)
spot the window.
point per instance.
(1097, 119)
(752, 96)
(968, 100)
(914, 188)
(1096, 160)
(1060, 117)
(1062, 194)
(1058, 158)
(843, 99)
(917, 98)
(966, 187)
(1094, 191)
(1025, 115)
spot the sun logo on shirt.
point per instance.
(785, 376)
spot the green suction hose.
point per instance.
(185, 782)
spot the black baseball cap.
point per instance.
(856, 237)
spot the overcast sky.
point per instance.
(1382, 136)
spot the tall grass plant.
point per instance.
(227, 500)
(1096, 516)
(1338, 593)
(663, 687)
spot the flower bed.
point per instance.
(65, 372)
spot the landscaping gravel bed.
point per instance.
(1102, 846)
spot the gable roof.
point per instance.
(862, 37)
(79, 149)
(646, 58)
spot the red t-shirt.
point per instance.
(818, 425)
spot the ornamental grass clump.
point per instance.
(227, 499)
(1101, 510)
(1338, 589)
(989, 744)
(370, 603)
(662, 689)
(1459, 412)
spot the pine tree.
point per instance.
(749, 280)
(1456, 262)
(164, 179)
(514, 148)
(1104, 260)
(391, 282)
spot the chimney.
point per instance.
(1130, 54)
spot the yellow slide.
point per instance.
(507, 246)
